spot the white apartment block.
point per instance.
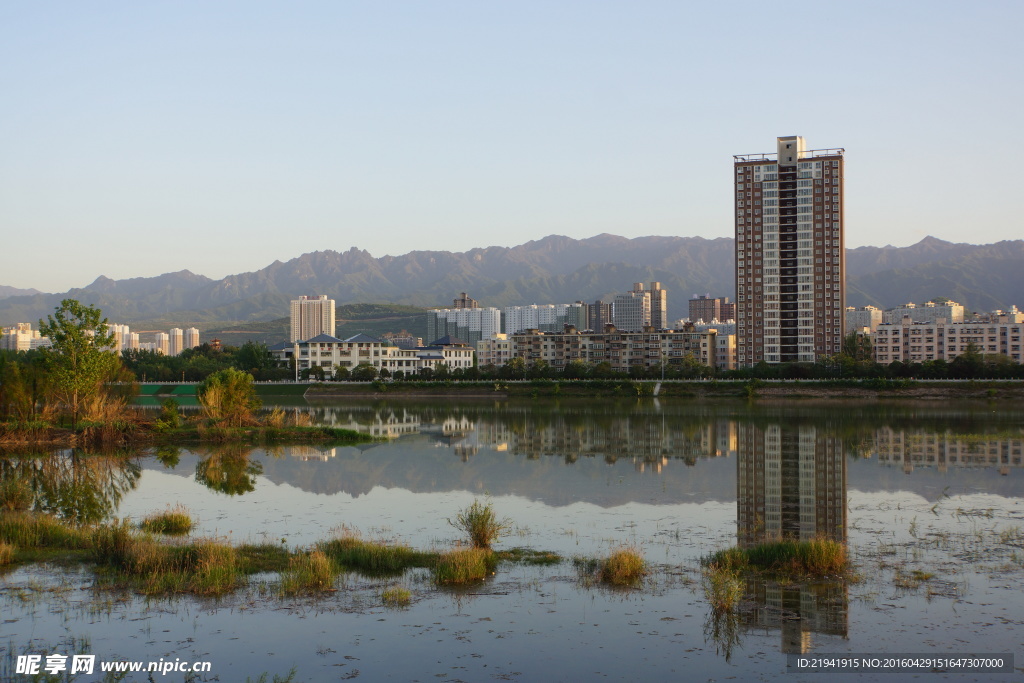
(546, 317)
(631, 311)
(940, 340)
(311, 316)
(177, 340)
(469, 324)
(928, 312)
(191, 338)
(859, 318)
(22, 337)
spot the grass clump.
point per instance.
(529, 556)
(372, 558)
(723, 586)
(311, 572)
(480, 523)
(263, 557)
(464, 565)
(172, 521)
(624, 567)
(6, 553)
(396, 596)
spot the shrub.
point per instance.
(464, 565)
(228, 397)
(624, 567)
(173, 521)
(480, 523)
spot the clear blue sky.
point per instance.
(138, 138)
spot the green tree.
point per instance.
(253, 357)
(228, 397)
(81, 356)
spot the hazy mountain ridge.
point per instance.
(554, 269)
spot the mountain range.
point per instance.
(555, 269)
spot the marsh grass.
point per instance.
(528, 556)
(722, 585)
(464, 565)
(263, 557)
(35, 530)
(307, 573)
(373, 558)
(204, 567)
(817, 557)
(624, 567)
(174, 521)
(7, 551)
(479, 522)
(396, 596)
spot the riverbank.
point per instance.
(750, 389)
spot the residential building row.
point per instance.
(22, 337)
(622, 350)
(911, 342)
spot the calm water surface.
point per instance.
(928, 498)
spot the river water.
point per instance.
(928, 498)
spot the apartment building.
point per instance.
(311, 316)
(941, 340)
(928, 312)
(469, 324)
(621, 349)
(544, 317)
(790, 260)
(859, 318)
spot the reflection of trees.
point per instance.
(74, 486)
(227, 469)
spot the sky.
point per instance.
(138, 138)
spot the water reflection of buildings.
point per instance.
(648, 442)
(791, 484)
(942, 450)
(311, 453)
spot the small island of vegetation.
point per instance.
(79, 393)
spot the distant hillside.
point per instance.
(7, 292)
(551, 270)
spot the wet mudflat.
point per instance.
(928, 499)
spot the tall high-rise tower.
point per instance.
(790, 259)
(310, 316)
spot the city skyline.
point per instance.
(218, 129)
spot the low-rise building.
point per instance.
(330, 353)
(927, 312)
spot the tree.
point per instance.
(81, 356)
(253, 357)
(228, 397)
